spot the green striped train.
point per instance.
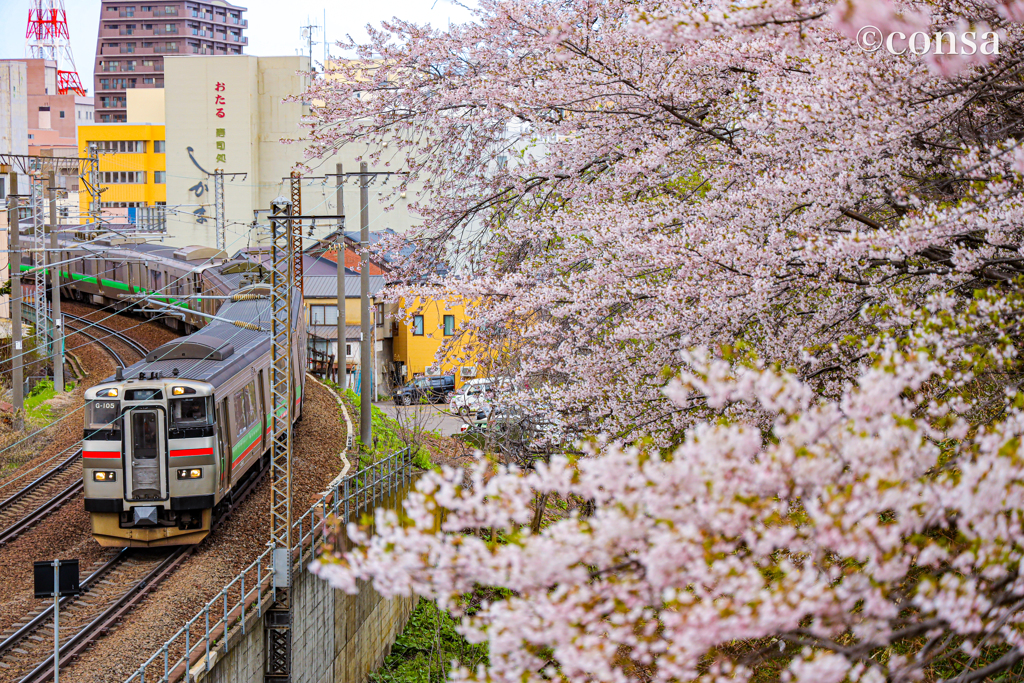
(173, 437)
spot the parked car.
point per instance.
(478, 420)
(434, 389)
(472, 395)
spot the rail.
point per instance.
(135, 346)
(116, 609)
(194, 647)
(47, 614)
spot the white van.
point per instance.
(471, 395)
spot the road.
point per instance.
(428, 417)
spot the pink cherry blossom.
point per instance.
(768, 280)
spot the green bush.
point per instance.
(423, 652)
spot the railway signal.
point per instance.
(62, 581)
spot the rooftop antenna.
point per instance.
(47, 37)
(306, 33)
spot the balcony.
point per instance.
(165, 32)
(166, 50)
(126, 15)
(165, 13)
(127, 49)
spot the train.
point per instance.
(172, 438)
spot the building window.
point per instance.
(378, 312)
(417, 325)
(118, 177)
(319, 345)
(160, 146)
(323, 315)
(31, 137)
(127, 146)
(449, 325)
(160, 177)
(62, 113)
(148, 81)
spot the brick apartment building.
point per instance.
(134, 38)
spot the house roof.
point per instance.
(330, 332)
(326, 286)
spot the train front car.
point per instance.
(148, 461)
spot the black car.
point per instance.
(434, 389)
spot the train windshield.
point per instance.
(102, 414)
(190, 412)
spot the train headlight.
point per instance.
(104, 475)
(194, 473)
(107, 393)
(181, 391)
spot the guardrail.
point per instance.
(194, 647)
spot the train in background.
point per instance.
(113, 272)
(171, 438)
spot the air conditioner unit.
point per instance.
(432, 370)
(468, 372)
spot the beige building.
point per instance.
(230, 113)
(13, 109)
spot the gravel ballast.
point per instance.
(319, 439)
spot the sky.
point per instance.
(274, 25)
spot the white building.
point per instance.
(229, 112)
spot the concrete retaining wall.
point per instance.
(336, 637)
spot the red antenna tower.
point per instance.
(47, 37)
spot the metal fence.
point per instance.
(190, 649)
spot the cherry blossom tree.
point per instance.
(873, 537)
(777, 272)
(687, 173)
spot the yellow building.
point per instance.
(132, 166)
(430, 325)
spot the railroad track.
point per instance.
(33, 502)
(110, 592)
(102, 335)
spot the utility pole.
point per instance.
(14, 263)
(54, 257)
(365, 343)
(342, 334)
